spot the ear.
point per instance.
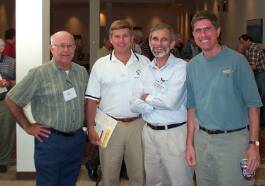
(172, 44)
(110, 40)
(51, 48)
(218, 31)
(132, 38)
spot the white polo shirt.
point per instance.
(111, 83)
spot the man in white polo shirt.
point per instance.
(160, 96)
(110, 88)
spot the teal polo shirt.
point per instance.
(221, 89)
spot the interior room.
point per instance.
(89, 21)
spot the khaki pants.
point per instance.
(218, 158)
(126, 141)
(164, 157)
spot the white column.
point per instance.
(94, 30)
(32, 40)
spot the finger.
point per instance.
(251, 165)
(43, 134)
(45, 131)
(38, 138)
(190, 161)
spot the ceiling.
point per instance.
(123, 1)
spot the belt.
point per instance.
(165, 127)
(126, 120)
(54, 131)
(221, 131)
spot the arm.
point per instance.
(91, 108)
(37, 130)
(253, 155)
(190, 151)
(174, 94)
(137, 104)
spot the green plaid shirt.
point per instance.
(44, 86)
(255, 56)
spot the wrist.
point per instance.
(90, 127)
(254, 143)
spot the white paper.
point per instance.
(104, 127)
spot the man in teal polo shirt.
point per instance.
(222, 102)
(56, 91)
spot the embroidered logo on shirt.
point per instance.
(137, 73)
(228, 72)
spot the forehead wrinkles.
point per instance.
(160, 34)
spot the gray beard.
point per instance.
(160, 54)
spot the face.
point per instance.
(63, 48)
(206, 35)
(161, 43)
(244, 44)
(121, 40)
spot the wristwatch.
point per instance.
(254, 142)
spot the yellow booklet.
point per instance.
(104, 127)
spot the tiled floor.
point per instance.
(9, 179)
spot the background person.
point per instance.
(10, 41)
(256, 58)
(8, 123)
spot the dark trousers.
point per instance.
(58, 159)
(260, 79)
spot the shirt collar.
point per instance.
(57, 68)
(132, 58)
(170, 61)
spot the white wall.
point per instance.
(234, 20)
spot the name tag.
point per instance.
(69, 94)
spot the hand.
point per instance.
(190, 156)
(93, 136)
(39, 131)
(144, 96)
(253, 157)
(4, 83)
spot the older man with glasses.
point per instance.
(56, 92)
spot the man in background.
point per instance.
(105, 49)
(256, 58)
(10, 41)
(7, 122)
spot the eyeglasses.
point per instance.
(203, 30)
(63, 46)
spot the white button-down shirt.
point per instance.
(111, 83)
(166, 102)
